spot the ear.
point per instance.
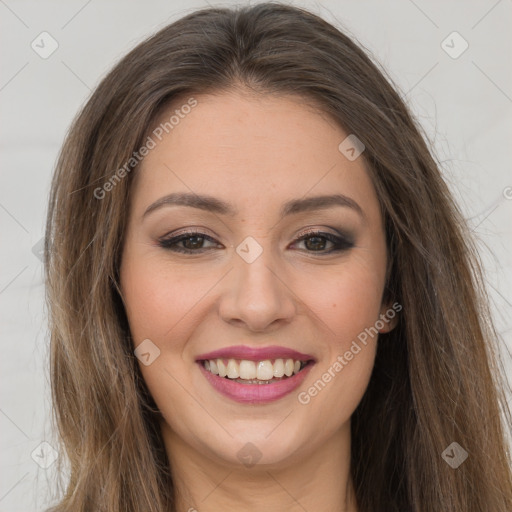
(388, 317)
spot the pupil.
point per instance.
(317, 241)
(195, 242)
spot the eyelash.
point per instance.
(340, 243)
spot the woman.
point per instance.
(261, 293)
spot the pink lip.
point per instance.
(255, 393)
(255, 354)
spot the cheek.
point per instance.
(348, 310)
(346, 301)
(163, 305)
(159, 298)
(348, 304)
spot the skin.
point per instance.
(256, 153)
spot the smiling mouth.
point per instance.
(244, 371)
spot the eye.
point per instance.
(317, 241)
(192, 242)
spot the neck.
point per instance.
(317, 480)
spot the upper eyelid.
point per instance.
(176, 239)
(311, 231)
(171, 236)
(342, 238)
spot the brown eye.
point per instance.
(190, 243)
(319, 242)
(315, 243)
(193, 242)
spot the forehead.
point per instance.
(242, 121)
(250, 148)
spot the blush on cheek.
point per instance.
(355, 311)
(156, 303)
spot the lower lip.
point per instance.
(255, 393)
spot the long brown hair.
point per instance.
(436, 375)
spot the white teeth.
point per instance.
(222, 368)
(288, 367)
(261, 371)
(278, 368)
(247, 370)
(264, 370)
(232, 369)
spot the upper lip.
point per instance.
(255, 353)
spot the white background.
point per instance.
(464, 104)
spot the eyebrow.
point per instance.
(214, 205)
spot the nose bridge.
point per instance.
(258, 274)
(256, 295)
(254, 269)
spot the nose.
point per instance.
(257, 295)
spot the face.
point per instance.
(253, 240)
